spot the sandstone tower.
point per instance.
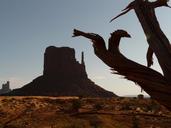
(5, 88)
(61, 63)
(63, 75)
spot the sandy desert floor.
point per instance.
(74, 112)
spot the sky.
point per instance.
(27, 27)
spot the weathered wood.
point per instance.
(158, 86)
(158, 43)
(149, 57)
(155, 37)
(150, 80)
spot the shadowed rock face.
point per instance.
(61, 63)
(62, 76)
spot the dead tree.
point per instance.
(157, 85)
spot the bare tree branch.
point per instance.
(158, 86)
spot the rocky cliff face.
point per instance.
(62, 76)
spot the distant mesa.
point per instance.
(5, 88)
(63, 75)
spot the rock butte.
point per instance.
(63, 75)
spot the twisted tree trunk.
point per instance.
(158, 86)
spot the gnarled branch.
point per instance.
(155, 37)
(150, 80)
(158, 86)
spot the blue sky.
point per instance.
(27, 27)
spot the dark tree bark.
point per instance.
(158, 86)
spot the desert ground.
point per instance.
(78, 112)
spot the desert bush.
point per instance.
(98, 106)
(153, 106)
(140, 96)
(135, 123)
(95, 123)
(2, 114)
(76, 105)
(126, 107)
(4, 100)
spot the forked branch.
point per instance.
(158, 86)
(150, 80)
(158, 42)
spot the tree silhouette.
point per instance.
(157, 85)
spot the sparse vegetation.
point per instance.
(126, 107)
(135, 123)
(153, 107)
(76, 105)
(98, 106)
(95, 123)
(71, 112)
